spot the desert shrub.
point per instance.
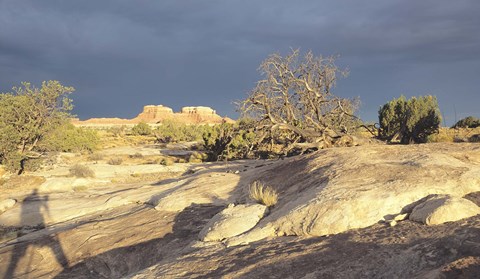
(173, 131)
(232, 141)
(166, 161)
(262, 194)
(409, 121)
(197, 157)
(68, 138)
(443, 135)
(142, 129)
(137, 155)
(27, 116)
(117, 131)
(115, 161)
(468, 122)
(81, 171)
(96, 157)
(474, 138)
(14, 161)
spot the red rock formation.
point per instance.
(156, 114)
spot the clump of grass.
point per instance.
(81, 188)
(95, 157)
(262, 194)
(166, 162)
(474, 138)
(81, 171)
(137, 155)
(196, 157)
(115, 161)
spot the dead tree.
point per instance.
(294, 106)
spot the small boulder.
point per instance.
(233, 221)
(439, 209)
(6, 204)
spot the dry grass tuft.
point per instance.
(81, 171)
(96, 157)
(116, 161)
(263, 194)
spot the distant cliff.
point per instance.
(156, 114)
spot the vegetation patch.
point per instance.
(115, 161)
(263, 194)
(409, 121)
(81, 171)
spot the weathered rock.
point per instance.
(198, 110)
(153, 113)
(233, 221)
(7, 204)
(338, 189)
(401, 217)
(156, 114)
(439, 209)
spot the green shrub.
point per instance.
(27, 116)
(474, 138)
(68, 138)
(117, 131)
(409, 121)
(15, 161)
(115, 161)
(81, 171)
(468, 122)
(231, 141)
(197, 157)
(142, 129)
(173, 131)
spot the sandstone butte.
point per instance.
(156, 114)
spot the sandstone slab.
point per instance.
(439, 209)
(233, 221)
(338, 189)
(7, 204)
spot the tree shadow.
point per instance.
(20, 260)
(122, 261)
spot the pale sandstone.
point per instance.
(7, 204)
(232, 221)
(439, 209)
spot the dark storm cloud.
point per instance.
(121, 55)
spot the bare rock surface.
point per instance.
(328, 212)
(334, 190)
(439, 209)
(6, 205)
(232, 221)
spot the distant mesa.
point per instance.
(153, 114)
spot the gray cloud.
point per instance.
(121, 55)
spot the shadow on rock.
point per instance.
(122, 261)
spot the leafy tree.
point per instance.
(468, 122)
(27, 115)
(293, 104)
(409, 121)
(142, 129)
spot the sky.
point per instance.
(121, 55)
